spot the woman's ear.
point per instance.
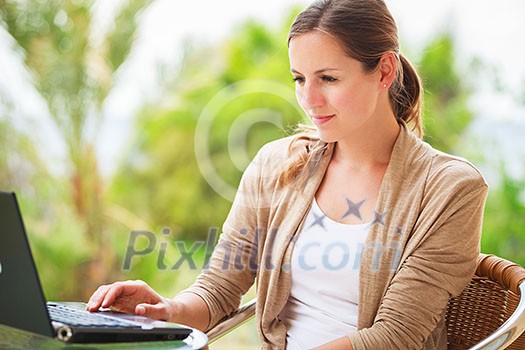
(387, 68)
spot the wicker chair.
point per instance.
(488, 314)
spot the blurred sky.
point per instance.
(492, 31)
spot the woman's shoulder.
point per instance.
(414, 157)
(455, 169)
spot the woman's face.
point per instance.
(337, 95)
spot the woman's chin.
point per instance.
(326, 137)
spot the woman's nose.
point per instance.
(310, 96)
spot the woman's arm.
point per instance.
(220, 286)
(191, 310)
(232, 268)
(439, 263)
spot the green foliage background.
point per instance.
(79, 222)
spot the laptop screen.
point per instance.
(22, 302)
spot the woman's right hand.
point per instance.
(132, 297)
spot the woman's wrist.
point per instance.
(175, 310)
(189, 309)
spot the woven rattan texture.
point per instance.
(478, 311)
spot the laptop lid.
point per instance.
(22, 302)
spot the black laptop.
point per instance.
(23, 306)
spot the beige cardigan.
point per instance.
(421, 251)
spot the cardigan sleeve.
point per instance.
(232, 267)
(441, 258)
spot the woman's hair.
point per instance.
(366, 30)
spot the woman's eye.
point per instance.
(298, 80)
(328, 79)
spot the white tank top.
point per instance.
(322, 305)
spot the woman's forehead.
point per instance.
(314, 49)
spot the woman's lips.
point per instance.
(321, 119)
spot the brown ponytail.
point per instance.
(406, 96)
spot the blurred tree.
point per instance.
(445, 110)
(503, 228)
(245, 84)
(74, 75)
(20, 163)
(447, 117)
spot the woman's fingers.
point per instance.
(97, 297)
(115, 290)
(106, 296)
(122, 296)
(156, 311)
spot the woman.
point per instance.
(358, 234)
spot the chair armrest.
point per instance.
(511, 276)
(509, 331)
(505, 272)
(240, 316)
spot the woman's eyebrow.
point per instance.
(322, 70)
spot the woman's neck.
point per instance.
(368, 149)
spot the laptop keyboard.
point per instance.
(80, 318)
